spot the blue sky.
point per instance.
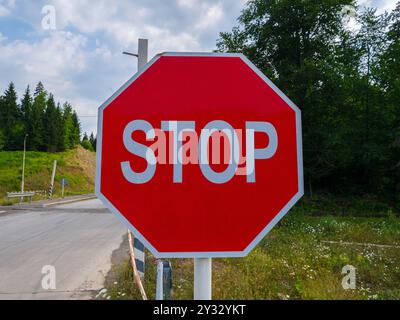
(80, 61)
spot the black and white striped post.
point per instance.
(138, 248)
(53, 174)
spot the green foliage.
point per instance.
(93, 141)
(389, 78)
(2, 140)
(36, 123)
(345, 205)
(346, 81)
(302, 258)
(10, 117)
(71, 127)
(88, 143)
(48, 127)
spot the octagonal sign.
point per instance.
(199, 154)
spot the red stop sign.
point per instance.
(200, 154)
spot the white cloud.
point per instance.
(381, 5)
(177, 22)
(66, 67)
(6, 7)
(82, 62)
(85, 66)
(210, 17)
(49, 58)
(187, 3)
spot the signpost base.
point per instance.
(202, 279)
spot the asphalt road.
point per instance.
(77, 239)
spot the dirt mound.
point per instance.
(86, 160)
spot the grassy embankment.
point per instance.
(77, 166)
(299, 259)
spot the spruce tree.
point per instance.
(76, 135)
(51, 125)
(2, 133)
(92, 140)
(68, 126)
(60, 128)
(39, 89)
(26, 110)
(37, 136)
(10, 116)
(86, 143)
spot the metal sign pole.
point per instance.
(202, 278)
(160, 280)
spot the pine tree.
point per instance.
(86, 143)
(85, 137)
(51, 125)
(37, 135)
(26, 110)
(39, 89)
(60, 128)
(2, 134)
(76, 135)
(68, 126)
(10, 119)
(92, 140)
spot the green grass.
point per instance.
(293, 262)
(38, 172)
(367, 205)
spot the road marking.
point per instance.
(2, 212)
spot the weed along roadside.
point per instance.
(292, 262)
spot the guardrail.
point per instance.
(28, 194)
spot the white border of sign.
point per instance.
(271, 224)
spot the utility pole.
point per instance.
(142, 56)
(23, 168)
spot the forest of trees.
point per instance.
(338, 62)
(341, 65)
(49, 126)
